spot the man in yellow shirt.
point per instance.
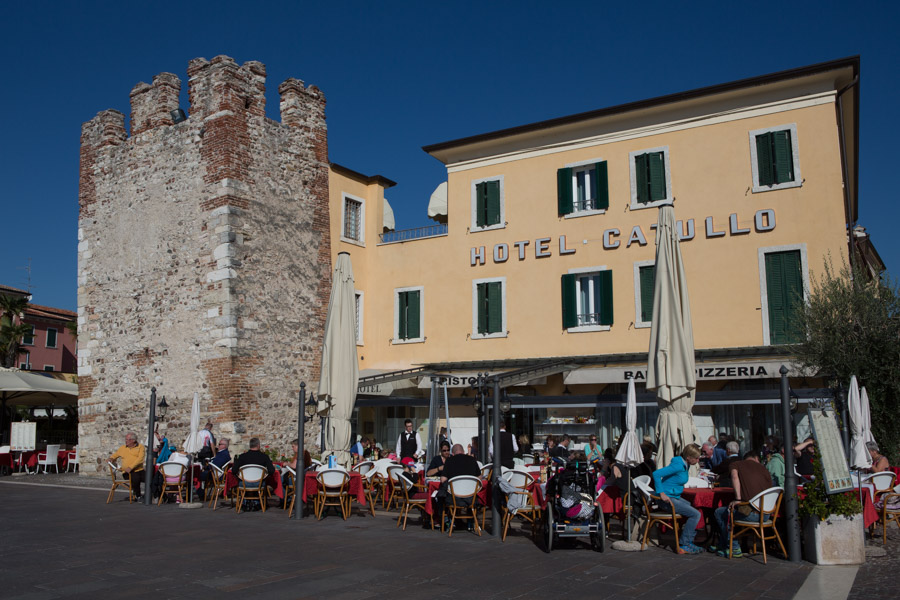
(132, 455)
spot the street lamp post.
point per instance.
(148, 459)
(790, 478)
(306, 410)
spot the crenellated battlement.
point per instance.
(220, 85)
(152, 105)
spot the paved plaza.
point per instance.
(61, 541)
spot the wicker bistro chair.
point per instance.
(126, 483)
(333, 491)
(218, 485)
(369, 488)
(882, 483)
(252, 484)
(460, 489)
(886, 513)
(174, 479)
(410, 498)
(766, 503)
(487, 471)
(289, 476)
(394, 472)
(530, 511)
(668, 518)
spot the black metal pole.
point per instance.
(495, 471)
(845, 419)
(790, 478)
(299, 473)
(148, 459)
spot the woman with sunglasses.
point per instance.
(592, 451)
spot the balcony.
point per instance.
(408, 235)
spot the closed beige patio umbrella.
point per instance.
(670, 361)
(340, 370)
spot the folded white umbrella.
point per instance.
(866, 419)
(193, 443)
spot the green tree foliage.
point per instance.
(852, 326)
(11, 328)
(816, 502)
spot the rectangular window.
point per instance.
(651, 183)
(587, 300)
(408, 315)
(784, 291)
(51, 337)
(646, 277)
(489, 308)
(583, 188)
(487, 204)
(28, 338)
(352, 219)
(773, 153)
(48, 368)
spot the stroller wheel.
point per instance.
(598, 540)
(549, 532)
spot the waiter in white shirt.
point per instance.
(409, 445)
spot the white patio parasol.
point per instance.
(670, 361)
(866, 417)
(630, 453)
(193, 443)
(859, 456)
(340, 370)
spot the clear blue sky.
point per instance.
(400, 75)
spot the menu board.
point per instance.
(23, 436)
(831, 450)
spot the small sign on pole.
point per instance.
(831, 450)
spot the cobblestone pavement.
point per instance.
(65, 542)
(877, 578)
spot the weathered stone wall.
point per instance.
(203, 258)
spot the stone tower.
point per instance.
(203, 258)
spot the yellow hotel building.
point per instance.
(542, 256)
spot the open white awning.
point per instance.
(437, 205)
(388, 222)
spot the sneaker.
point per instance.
(712, 548)
(735, 553)
(689, 549)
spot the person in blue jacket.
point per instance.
(669, 483)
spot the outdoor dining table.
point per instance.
(484, 494)
(29, 459)
(707, 500)
(272, 481)
(356, 489)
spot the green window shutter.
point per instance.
(495, 307)
(481, 306)
(764, 159)
(601, 193)
(401, 315)
(564, 191)
(784, 288)
(480, 202)
(783, 156)
(492, 202)
(640, 179)
(606, 298)
(647, 277)
(569, 302)
(413, 318)
(656, 166)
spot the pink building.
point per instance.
(50, 346)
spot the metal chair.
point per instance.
(252, 482)
(49, 458)
(766, 503)
(410, 498)
(125, 483)
(463, 491)
(882, 483)
(887, 513)
(530, 511)
(669, 519)
(174, 479)
(333, 484)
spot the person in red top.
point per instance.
(748, 477)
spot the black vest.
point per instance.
(408, 444)
(506, 450)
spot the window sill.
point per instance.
(418, 340)
(354, 242)
(488, 336)
(643, 324)
(588, 328)
(585, 213)
(635, 205)
(757, 189)
(487, 228)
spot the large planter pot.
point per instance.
(834, 541)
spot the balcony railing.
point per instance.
(419, 233)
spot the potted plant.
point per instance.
(832, 523)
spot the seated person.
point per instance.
(253, 456)
(804, 453)
(592, 450)
(410, 470)
(436, 466)
(724, 468)
(220, 460)
(748, 477)
(458, 464)
(669, 483)
(879, 461)
(359, 448)
(132, 455)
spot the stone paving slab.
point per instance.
(64, 542)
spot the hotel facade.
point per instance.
(541, 258)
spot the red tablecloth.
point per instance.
(30, 459)
(6, 460)
(707, 500)
(611, 500)
(272, 481)
(896, 471)
(484, 494)
(355, 488)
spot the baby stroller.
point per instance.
(570, 513)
